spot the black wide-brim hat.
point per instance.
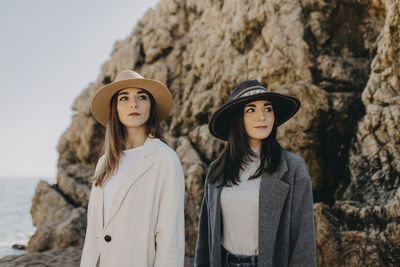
(285, 106)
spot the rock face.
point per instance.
(59, 224)
(363, 227)
(68, 257)
(340, 58)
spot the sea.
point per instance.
(15, 218)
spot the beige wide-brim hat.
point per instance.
(100, 105)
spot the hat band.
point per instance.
(253, 90)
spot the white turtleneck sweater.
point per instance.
(239, 205)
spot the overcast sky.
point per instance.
(49, 52)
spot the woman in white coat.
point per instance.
(135, 212)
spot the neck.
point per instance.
(135, 136)
(254, 142)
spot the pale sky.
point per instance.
(50, 50)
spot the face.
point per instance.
(133, 106)
(258, 118)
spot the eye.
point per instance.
(123, 98)
(249, 110)
(142, 97)
(268, 109)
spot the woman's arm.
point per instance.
(302, 236)
(170, 227)
(91, 223)
(202, 258)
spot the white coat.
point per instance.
(146, 222)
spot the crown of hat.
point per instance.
(247, 88)
(128, 74)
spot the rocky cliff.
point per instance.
(340, 58)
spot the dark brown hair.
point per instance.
(237, 153)
(115, 139)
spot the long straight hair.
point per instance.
(115, 142)
(237, 154)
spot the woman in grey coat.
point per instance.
(257, 208)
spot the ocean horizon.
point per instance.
(16, 226)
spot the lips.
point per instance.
(133, 114)
(261, 127)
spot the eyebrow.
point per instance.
(126, 93)
(142, 92)
(252, 105)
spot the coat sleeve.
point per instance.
(87, 247)
(302, 236)
(99, 165)
(170, 227)
(90, 231)
(202, 258)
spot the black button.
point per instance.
(107, 238)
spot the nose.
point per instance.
(261, 116)
(133, 103)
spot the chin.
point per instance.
(133, 124)
(260, 137)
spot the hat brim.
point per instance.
(100, 105)
(284, 108)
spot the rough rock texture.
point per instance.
(340, 58)
(67, 257)
(59, 224)
(363, 228)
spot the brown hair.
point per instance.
(115, 139)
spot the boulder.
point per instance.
(59, 224)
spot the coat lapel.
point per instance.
(139, 166)
(272, 197)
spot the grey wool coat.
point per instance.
(286, 224)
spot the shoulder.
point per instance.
(164, 149)
(293, 159)
(100, 162)
(163, 152)
(210, 169)
(295, 164)
(101, 159)
(167, 163)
